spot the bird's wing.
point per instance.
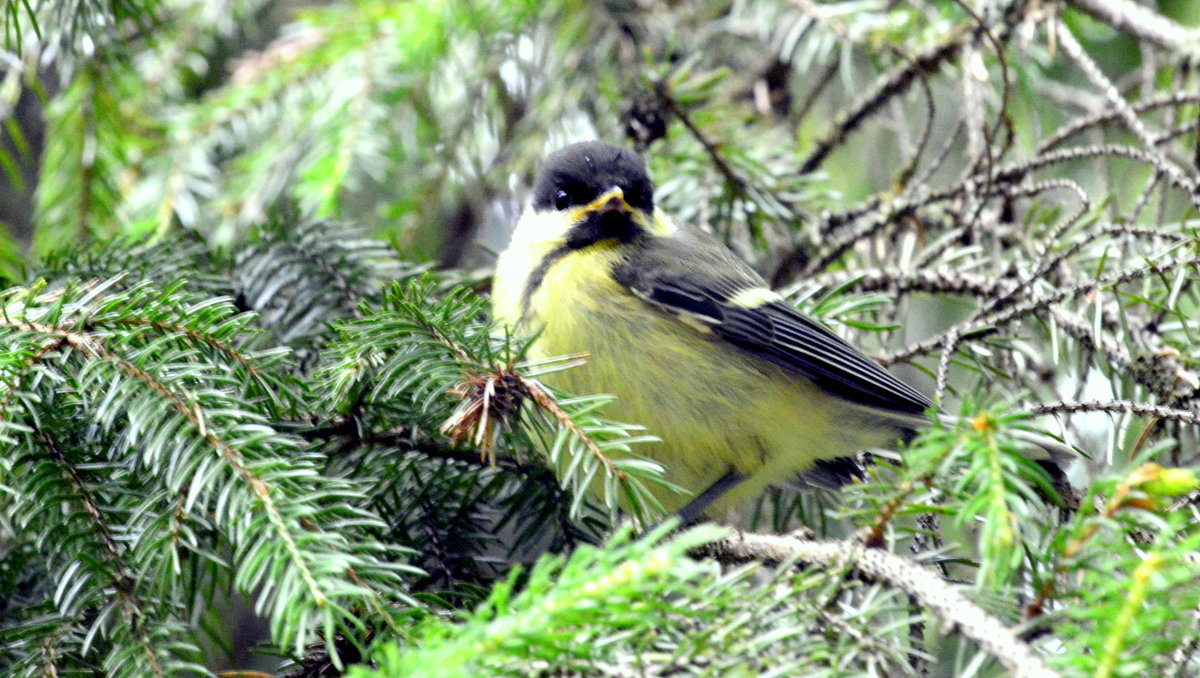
(738, 308)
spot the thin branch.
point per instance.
(735, 180)
(197, 338)
(929, 590)
(547, 403)
(822, 81)
(1109, 115)
(945, 281)
(1127, 114)
(992, 323)
(1117, 407)
(889, 85)
(897, 281)
(1017, 171)
(1142, 23)
(411, 440)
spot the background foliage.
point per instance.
(251, 395)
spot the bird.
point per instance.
(740, 388)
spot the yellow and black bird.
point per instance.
(742, 389)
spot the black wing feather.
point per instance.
(784, 336)
(675, 276)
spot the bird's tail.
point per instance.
(1052, 454)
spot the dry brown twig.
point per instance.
(491, 399)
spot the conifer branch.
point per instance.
(121, 579)
(930, 591)
(987, 324)
(889, 85)
(1143, 23)
(1127, 115)
(1116, 407)
(91, 347)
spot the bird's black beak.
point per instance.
(612, 201)
(608, 217)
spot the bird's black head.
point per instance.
(580, 173)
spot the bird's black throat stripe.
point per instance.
(606, 225)
(537, 276)
(596, 227)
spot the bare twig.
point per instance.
(1117, 407)
(891, 84)
(1142, 23)
(928, 280)
(1108, 115)
(1045, 261)
(1017, 171)
(1127, 114)
(736, 182)
(992, 322)
(929, 590)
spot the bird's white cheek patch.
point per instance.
(753, 297)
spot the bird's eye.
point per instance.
(639, 196)
(562, 200)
